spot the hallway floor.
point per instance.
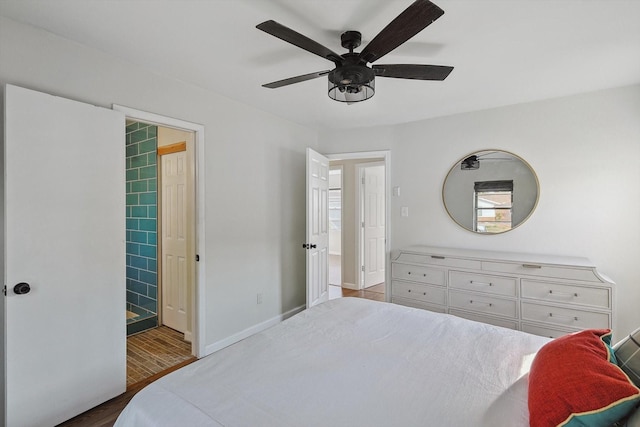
(375, 292)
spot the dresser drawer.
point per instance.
(564, 293)
(418, 273)
(510, 324)
(541, 270)
(569, 317)
(439, 260)
(483, 304)
(497, 285)
(432, 294)
(419, 304)
(543, 331)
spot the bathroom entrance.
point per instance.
(161, 250)
(160, 227)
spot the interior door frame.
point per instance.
(341, 169)
(198, 296)
(385, 155)
(361, 207)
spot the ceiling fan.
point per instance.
(473, 162)
(352, 80)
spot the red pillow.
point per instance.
(574, 381)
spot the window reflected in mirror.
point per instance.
(490, 191)
(493, 202)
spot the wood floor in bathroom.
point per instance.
(153, 351)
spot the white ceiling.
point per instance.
(504, 52)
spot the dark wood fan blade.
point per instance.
(296, 79)
(414, 19)
(413, 71)
(297, 39)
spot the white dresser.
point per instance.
(540, 294)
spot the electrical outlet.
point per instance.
(259, 298)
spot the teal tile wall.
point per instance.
(142, 226)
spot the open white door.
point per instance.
(373, 224)
(317, 243)
(175, 239)
(65, 340)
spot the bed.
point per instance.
(351, 362)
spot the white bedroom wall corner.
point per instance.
(219, 345)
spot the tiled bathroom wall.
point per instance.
(141, 187)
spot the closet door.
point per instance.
(64, 200)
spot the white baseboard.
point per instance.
(219, 345)
(188, 336)
(351, 286)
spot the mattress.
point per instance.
(351, 362)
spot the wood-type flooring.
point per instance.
(375, 292)
(153, 351)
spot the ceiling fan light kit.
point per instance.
(351, 83)
(352, 80)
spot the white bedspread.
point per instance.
(351, 362)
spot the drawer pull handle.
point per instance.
(424, 274)
(531, 266)
(574, 318)
(424, 293)
(486, 303)
(408, 272)
(480, 283)
(563, 294)
(437, 257)
(409, 290)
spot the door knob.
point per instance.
(312, 246)
(21, 288)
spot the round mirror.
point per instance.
(490, 191)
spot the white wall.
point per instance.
(585, 151)
(254, 170)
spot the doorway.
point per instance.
(183, 135)
(363, 239)
(160, 248)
